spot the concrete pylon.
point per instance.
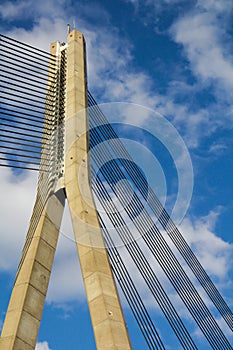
(25, 308)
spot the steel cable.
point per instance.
(39, 119)
(189, 296)
(22, 98)
(45, 86)
(128, 287)
(25, 92)
(25, 72)
(161, 214)
(27, 47)
(144, 267)
(54, 148)
(28, 62)
(43, 92)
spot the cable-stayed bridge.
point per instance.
(51, 123)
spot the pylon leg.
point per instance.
(106, 313)
(105, 309)
(25, 308)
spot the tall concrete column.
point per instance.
(25, 308)
(106, 314)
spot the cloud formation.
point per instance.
(18, 194)
(113, 77)
(42, 346)
(202, 37)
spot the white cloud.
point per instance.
(215, 5)
(112, 76)
(38, 36)
(17, 199)
(32, 10)
(207, 50)
(42, 346)
(66, 282)
(217, 148)
(157, 5)
(202, 33)
(214, 253)
(10, 11)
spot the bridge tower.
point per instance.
(22, 321)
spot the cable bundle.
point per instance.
(142, 264)
(32, 112)
(28, 115)
(131, 294)
(112, 173)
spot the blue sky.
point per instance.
(176, 58)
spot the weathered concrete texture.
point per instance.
(104, 305)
